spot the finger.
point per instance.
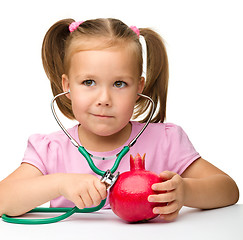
(166, 175)
(169, 185)
(162, 198)
(95, 196)
(168, 209)
(88, 202)
(170, 217)
(78, 202)
(101, 188)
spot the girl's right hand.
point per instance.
(84, 190)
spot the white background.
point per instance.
(204, 40)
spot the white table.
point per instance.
(223, 224)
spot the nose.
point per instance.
(104, 98)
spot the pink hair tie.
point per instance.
(136, 30)
(74, 25)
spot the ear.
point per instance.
(141, 84)
(65, 84)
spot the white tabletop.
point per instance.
(223, 223)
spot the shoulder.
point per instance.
(46, 151)
(166, 130)
(169, 135)
(51, 139)
(167, 147)
(49, 143)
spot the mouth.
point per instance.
(102, 116)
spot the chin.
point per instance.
(104, 130)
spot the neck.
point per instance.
(96, 143)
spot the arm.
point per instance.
(208, 187)
(202, 185)
(27, 188)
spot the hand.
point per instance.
(174, 195)
(84, 190)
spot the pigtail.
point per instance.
(56, 56)
(157, 75)
(53, 51)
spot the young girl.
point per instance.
(100, 62)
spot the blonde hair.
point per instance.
(59, 45)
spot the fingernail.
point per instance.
(154, 187)
(156, 211)
(150, 199)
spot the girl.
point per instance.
(100, 63)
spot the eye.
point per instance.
(89, 83)
(120, 84)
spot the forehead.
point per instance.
(87, 44)
(110, 61)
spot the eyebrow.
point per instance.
(84, 76)
(92, 76)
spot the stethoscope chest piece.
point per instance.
(109, 179)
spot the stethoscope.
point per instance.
(107, 176)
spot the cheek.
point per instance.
(79, 104)
(127, 107)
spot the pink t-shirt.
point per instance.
(166, 145)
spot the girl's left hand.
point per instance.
(174, 187)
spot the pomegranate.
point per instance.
(129, 195)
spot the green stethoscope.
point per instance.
(107, 176)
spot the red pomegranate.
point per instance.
(129, 195)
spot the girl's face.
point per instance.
(103, 88)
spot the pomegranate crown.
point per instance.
(137, 163)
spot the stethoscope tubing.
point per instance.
(75, 143)
(120, 155)
(68, 213)
(82, 150)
